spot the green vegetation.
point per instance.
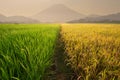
(26, 50)
(92, 51)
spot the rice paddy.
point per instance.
(92, 51)
(26, 50)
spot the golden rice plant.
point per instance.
(93, 50)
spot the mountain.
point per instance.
(16, 19)
(106, 18)
(2, 16)
(92, 16)
(58, 13)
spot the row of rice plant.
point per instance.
(26, 50)
(93, 50)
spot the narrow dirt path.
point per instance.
(63, 72)
(59, 70)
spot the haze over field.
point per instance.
(31, 7)
(57, 10)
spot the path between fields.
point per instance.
(59, 70)
(63, 72)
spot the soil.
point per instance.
(63, 72)
(59, 70)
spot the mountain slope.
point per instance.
(57, 13)
(16, 19)
(2, 16)
(105, 18)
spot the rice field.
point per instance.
(93, 50)
(26, 50)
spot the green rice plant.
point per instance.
(26, 50)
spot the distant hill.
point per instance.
(2, 16)
(115, 18)
(58, 13)
(16, 19)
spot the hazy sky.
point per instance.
(31, 7)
